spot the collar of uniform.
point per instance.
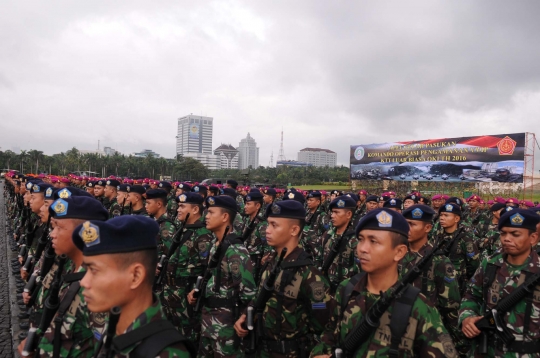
(152, 313)
(292, 256)
(531, 264)
(196, 225)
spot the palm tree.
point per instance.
(22, 157)
(35, 156)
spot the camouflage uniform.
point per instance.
(80, 329)
(240, 202)
(172, 206)
(438, 283)
(316, 226)
(256, 245)
(508, 277)
(187, 263)
(426, 335)
(489, 241)
(114, 209)
(306, 307)
(475, 218)
(235, 288)
(346, 264)
(464, 254)
(142, 211)
(152, 314)
(238, 225)
(166, 232)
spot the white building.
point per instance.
(211, 161)
(145, 153)
(248, 153)
(318, 157)
(229, 156)
(194, 135)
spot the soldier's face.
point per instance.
(375, 250)
(418, 230)
(90, 190)
(61, 235)
(99, 190)
(215, 218)
(267, 199)
(437, 203)
(312, 203)
(36, 202)
(251, 207)
(473, 203)
(44, 210)
(517, 242)
(121, 197)
(110, 191)
(184, 209)
(448, 219)
(281, 230)
(152, 206)
(340, 217)
(407, 203)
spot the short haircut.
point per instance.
(148, 258)
(232, 216)
(398, 239)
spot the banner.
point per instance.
(490, 158)
(194, 131)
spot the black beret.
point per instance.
(419, 212)
(213, 189)
(336, 192)
(314, 194)
(254, 196)
(254, 190)
(384, 198)
(112, 182)
(100, 182)
(127, 233)
(270, 191)
(230, 192)
(342, 202)
(78, 207)
(223, 201)
(450, 207)
(519, 219)
(535, 210)
(49, 193)
(353, 196)
(199, 189)
(41, 188)
(497, 207)
(123, 188)
(146, 186)
(455, 200)
(374, 198)
(232, 183)
(28, 185)
(291, 209)
(139, 189)
(156, 194)
(412, 197)
(69, 192)
(294, 195)
(165, 185)
(383, 219)
(184, 187)
(190, 198)
(393, 203)
(90, 184)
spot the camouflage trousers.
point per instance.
(219, 348)
(180, 313)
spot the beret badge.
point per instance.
(517, 219)
(384, 219)
(60, 207)
(340, 204)
(417, 213)
(276, 209)
(449, 208)
(182, 198)
(89, 234)
(291, 195)
(211, 201)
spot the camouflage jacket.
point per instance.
(474, 219)
(438, 283)
(490, 241)
(236, 284)
(346, 264)
(306, 306)
(426, 335)
(238, 225)
(152, 314)
(464, 253)
(141, 211)
(256, 242)
(507, 280)
(115, 209)
(316, 225)
(166, 232)
(172, 206)
(80, 331)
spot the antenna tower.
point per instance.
(281, 156)
(271, 164)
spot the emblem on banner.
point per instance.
(506, 146)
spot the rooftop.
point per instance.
(317, 150)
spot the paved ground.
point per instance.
(7, 291)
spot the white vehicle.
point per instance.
(402, 176)
(415, 177)
(429, 177)
(444, 177)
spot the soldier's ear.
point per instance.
(137, 275)
(534, 239)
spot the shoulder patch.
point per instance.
(317, 288)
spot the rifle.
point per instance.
(42, 242)
(492, 321)
(123, 207)
(370, 321)
(34, 284)
(114, 315)
(200, 289)
(264, 295)
(164, 261)
(24, 218)
(334, 251)
(49, 310)
(251, 226)
(130, 208)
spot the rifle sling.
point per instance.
(400, 318)
(62, 309)
(227, 241)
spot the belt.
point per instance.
(214, 302)
(281, 347)
(519, 347)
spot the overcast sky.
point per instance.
(331, 73)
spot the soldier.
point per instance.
(460, 247)
(372, 203)
(498, 277)
(316, 225)
(171, 198)
(299, 305)
(238, 224)
(121, 256)
(473, 215)
(121, 198)
(156, 207)
(254, 231)
(339, 261)
(487, 235)
(269, 196)
(112, 205)
(233, 184)
(99, 192)
(382, 243)
(231, 285)
(393, 204)
(201, 190)
(187, 263)
(135, 200)
(410, 200)
(182, 189)
(438, 280)
(90, 188)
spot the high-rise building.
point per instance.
(248, 153)
(228, 155)
(210, 161)
(194, 134)
(318, 157)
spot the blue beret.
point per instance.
(90, 184)
(126, 233)
(139, 189)
(519, 219)
(190, 198)
(222, 201)
(184, 186)
(49, 193)
(112, 182)
(353, 196)
(229, 192)
(412, 197)
(497, 207)
(294, 195)
(199, 189)
(291, 209)
(69, 192)
(232, 183)
(78, 207)
(156, 194)
(41, 188)
(270, 191)
(455, 200)
(535, 210)
(254, 190)
(165, 185)
(123, 188)
(342, 202)
(314, 194)
(450, 207)
(419, 212)
(393, 203)
(384, 219)
(100, 182)
(374, 198)
(254, 196)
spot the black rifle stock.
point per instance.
(48, 262)
(334, 251)
(114, 316)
